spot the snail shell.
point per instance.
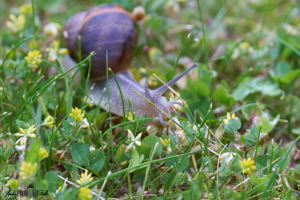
(104, 27)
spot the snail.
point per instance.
(111, 28)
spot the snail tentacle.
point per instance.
(164, 88)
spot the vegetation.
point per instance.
(235, 137)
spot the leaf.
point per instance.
(135, 159)
(289, 77)
(233, 125)
(225, 170)
(221, 95)
(261, 162)
(250, 139)
(283, 68)
(255, 180)
(33, 153)
(267, 126)
(181, 163)
(234, 164)
(151, 141)
(120, 155)
(51, 178)
(201, 88)
(241, 92)
(96, 160)
(79, 152)
(144, 150)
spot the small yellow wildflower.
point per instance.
(77, 115)
(49, 121)
(180, 134)
(43, 153)
(32, 59)
(85, 124)
(63, 51)
(11, 64)
(166, 143)
(53, 51)
(16, 24)
(152, 82)
(134, 141)
(244, 45)
(228, 117)
(24, 134)
(58, 189)
(84, 193)
(172, 7)
(177, 102)
(130, 117)
(228, 155)
(14, 183)
(247, 165)
(138, 74)
(85, 178)
(51, 29)
(26, 9)
(27, 170)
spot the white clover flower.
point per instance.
(24, 134)
(85, 124)
(228, 155)
(134, 141)
(51, 29)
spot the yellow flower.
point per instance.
(63, 51)
(77, 115)
(26, 9)
(138, 74)
(85, 178)
(85, 124)
(152, 82)
(244, 45)
(51, 29)
(27, 170)
(49, 121)
(24, 134)
(84, 193)
(32, 59)
(43, 153)
(172, 7)
(130, 117)
(14, 183)
(228, 117)
(166, 143)
(58, 189)
(16, 24)
(177, 102)
(134, 141)
(228, 155)
(247, 165)
(54, 50)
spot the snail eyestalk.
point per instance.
(164, 88)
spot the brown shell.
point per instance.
(105, 27)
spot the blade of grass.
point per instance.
(273, 178)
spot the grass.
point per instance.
(236, 136)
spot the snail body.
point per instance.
(112, 28)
